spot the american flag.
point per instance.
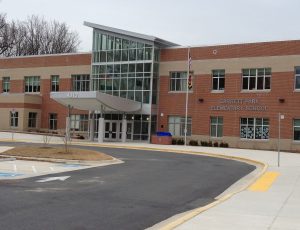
(189, 79)
(190, 60)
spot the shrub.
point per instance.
(216, 144)
(204, 143)
(193, 143)
(174, 141)
(180, 142)
(224, 145)
(210, 144)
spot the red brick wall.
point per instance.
(51, 106)
(46, 61)
(282, 86)
(233, 51)
(16, 86)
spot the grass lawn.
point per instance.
(57, 153)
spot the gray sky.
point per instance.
(186, 22)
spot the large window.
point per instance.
(177, 125)
(124, 68)
(14, 119)
(32, 84)
(178, 81)
(256, 79)
(32, 118)
(216, 126)
(254, 128)
(296, 129)
(297, 77)
(54, 83)
(53, 121)
(218, 79)
(81, 82)
(79, 122)
(6, 84)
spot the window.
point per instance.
(6, 84)
(218, 79)
(14, 118)
(256, 79)
(297, 77)
(79, 122)
(177, 125)
(54, 83)
(216, 126)
(178, 81)
(32, 84)
(32, 120)
(81, 82)
(53, 121)
(297, 129)
(254, 128)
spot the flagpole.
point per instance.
(187, 95)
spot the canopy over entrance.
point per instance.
(93, 100)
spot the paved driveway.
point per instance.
(148, 188)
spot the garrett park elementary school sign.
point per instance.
(240, 104)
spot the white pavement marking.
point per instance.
(47, 179)
(33, 169)
(51, 168)
(15, 168)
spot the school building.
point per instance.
(132, 85)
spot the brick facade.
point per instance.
(281, 57)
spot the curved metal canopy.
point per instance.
(93, 100)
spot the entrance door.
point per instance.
(111, 130)
(129, 130)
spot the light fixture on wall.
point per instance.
(281, 100)
(201, 100)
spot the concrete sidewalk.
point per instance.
(276, 207)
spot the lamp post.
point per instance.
(280, 117)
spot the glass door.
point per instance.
(129, 130)
(111, 131)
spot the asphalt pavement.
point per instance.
(149, 187)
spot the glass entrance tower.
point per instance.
(126, 65)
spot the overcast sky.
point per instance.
(186, 22)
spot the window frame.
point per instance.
(32, 85)
(54, 83)
(53, 121)
(81, 82)
(14, 119)
(255, 125)
(250, 77)
(5, 84)
(175, 78)
(217, 125)
(32, 121)
(294, 126)
(79, 122)
(218, 76)
(179, 124)
(297, 75)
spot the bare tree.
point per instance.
(7, 32)
(36, 36)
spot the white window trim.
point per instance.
(256, 81)
(254, 139)
(296, 75)
(217, 77)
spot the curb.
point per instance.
(65, 161)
